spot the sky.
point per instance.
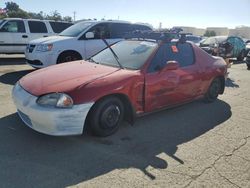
(193, 13)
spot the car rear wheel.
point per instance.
(241, 55)
(213, 91)
(68, 56)
(106, 116)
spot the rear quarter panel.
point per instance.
(210, 67)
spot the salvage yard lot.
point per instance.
(193, 145)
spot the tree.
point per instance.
(68, 19)
(11, 6)
(13, 11)
(210, 33)
(54, 16)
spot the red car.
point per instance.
(129, 79)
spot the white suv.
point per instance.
(15, 33)
(80, 41)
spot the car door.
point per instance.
(37, 29)
(13, 37)
(169, 87)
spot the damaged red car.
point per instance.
(131, 78)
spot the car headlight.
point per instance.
(44, 47)
(60, 100)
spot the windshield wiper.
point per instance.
(114, 54)
(92, 60)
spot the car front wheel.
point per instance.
(106, 116)
(213, 90)
(241, 55)
(68, 56)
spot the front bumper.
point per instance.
(40, 59)
(49, 120)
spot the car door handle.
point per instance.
(45, 36)
(25, 36)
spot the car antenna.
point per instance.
(116, 57)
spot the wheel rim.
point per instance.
(214, 89)
(110, 117)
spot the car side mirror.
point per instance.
(89, 35)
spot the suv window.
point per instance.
(140, 27)
(101, 31)
(37, 27)
(15, 26)
(180, 52)
(118, 30)
(58, 27)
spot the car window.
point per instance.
(37, 27)
(194, 39)
(140, 27)
(180, 52)
(118, 30)
(131, 54)
(58, 27)
(76, 29)
(14, 26)
(210, 40)
(101, 31)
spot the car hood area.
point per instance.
(49, 40)
(64, 77)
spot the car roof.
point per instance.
(31, 19)
(114, 21)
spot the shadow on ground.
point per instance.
(12, 61)
(231, 83)
(30, 159)
(12, 77)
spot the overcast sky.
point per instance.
(197, 13)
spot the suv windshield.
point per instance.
(131, 54)
(75, 30)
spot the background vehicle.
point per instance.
(15, 33)
(215, 46)
(136, 77)
(248, 60)
(194, 39)
(247, 46)
(79, 41)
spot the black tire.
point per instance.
(213, 91)
(106, 116)
(248, 66)
(68, 56)
(241, 55)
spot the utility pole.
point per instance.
(74, 15)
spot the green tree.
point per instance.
(54, 16)
(68, 19)
(209, 33)
(11, 6)
(14, 11)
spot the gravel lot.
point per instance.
(195, 145)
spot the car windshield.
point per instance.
(76, 29)
(212, 40)
(194, 39)
(131, 54)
